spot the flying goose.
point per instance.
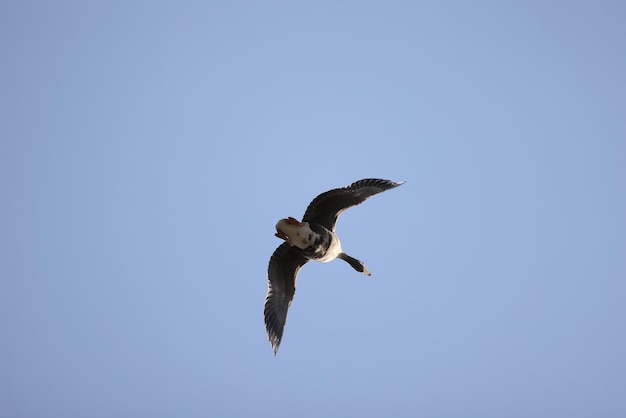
(312, 239)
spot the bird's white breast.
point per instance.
(333, 250)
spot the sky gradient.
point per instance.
(147, 150)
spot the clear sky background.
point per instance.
(148, 149)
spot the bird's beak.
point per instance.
(281, 235)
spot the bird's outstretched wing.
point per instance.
(281, 274)
(326, 208)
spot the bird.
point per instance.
(312, 239)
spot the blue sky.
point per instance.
(148, 149)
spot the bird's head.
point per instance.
(295, 232)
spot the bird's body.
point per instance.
(312, 239)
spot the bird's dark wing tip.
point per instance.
(377, 183)
(275, 318)
(281, 273)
